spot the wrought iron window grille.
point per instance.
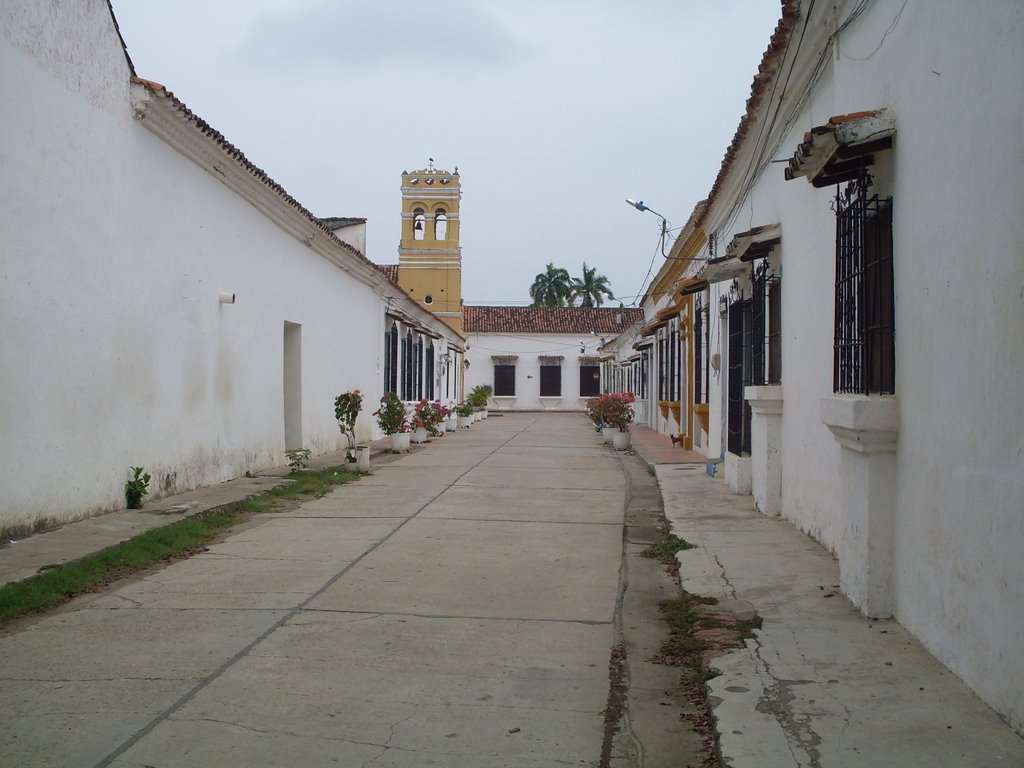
(739, 375)
(701, 382)
(864, 359)
(766, 332)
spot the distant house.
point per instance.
(164, 302)
(862, 286)
(541, 358)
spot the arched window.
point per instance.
(440, 225)
(419, 224)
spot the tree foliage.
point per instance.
(591, 289)
(552, 288)
(555, 288)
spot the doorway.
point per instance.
(292, 386)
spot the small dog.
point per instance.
(676, 440)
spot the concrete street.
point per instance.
(459, 607)
(455, 608)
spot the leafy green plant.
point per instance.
(464, 409)
(347, 406)
(391, 417)
(480, 395)
(298, 458)
(137, 487)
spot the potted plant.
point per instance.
(618, 413)
(597, 408)
(479, 397)
(347, 406)
(595, 412)
(442, 416)
(424, 421)
(464, 411)
(392, 420)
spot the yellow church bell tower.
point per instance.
(429, 255)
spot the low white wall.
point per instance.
(529, 348)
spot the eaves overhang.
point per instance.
(755, 243)
(168, 118)
(841, 148)
(690, 285)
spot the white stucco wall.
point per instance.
(959, 274)
(950, 73)
(354, 235)
(529, 348)
(115, 348)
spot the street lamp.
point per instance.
(639, 205)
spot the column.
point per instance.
(867, 429)
(766, 447)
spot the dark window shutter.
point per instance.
(551, 381)
(505, 380)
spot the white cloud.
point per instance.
(554, 111)
(403, 35)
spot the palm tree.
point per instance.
(551, 288)
(592, 288)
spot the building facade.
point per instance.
(541, 358)
(165, 303)
(862, 283)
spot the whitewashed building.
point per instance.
(541, 358)
(163, 301)
(866, 305)
(656, 357)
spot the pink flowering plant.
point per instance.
(427, 415)
(595, 410)
(391, 417)
(614, 409)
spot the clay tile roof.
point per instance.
(838, 150)
(340, 222)
(582, 320)
(758, 91)
(390, 271)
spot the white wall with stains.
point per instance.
(115, 348)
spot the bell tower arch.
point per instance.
(429, 254)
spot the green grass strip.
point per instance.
(63, 582)
(304, 484)
(176, 540)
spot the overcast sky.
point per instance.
(554, 111)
